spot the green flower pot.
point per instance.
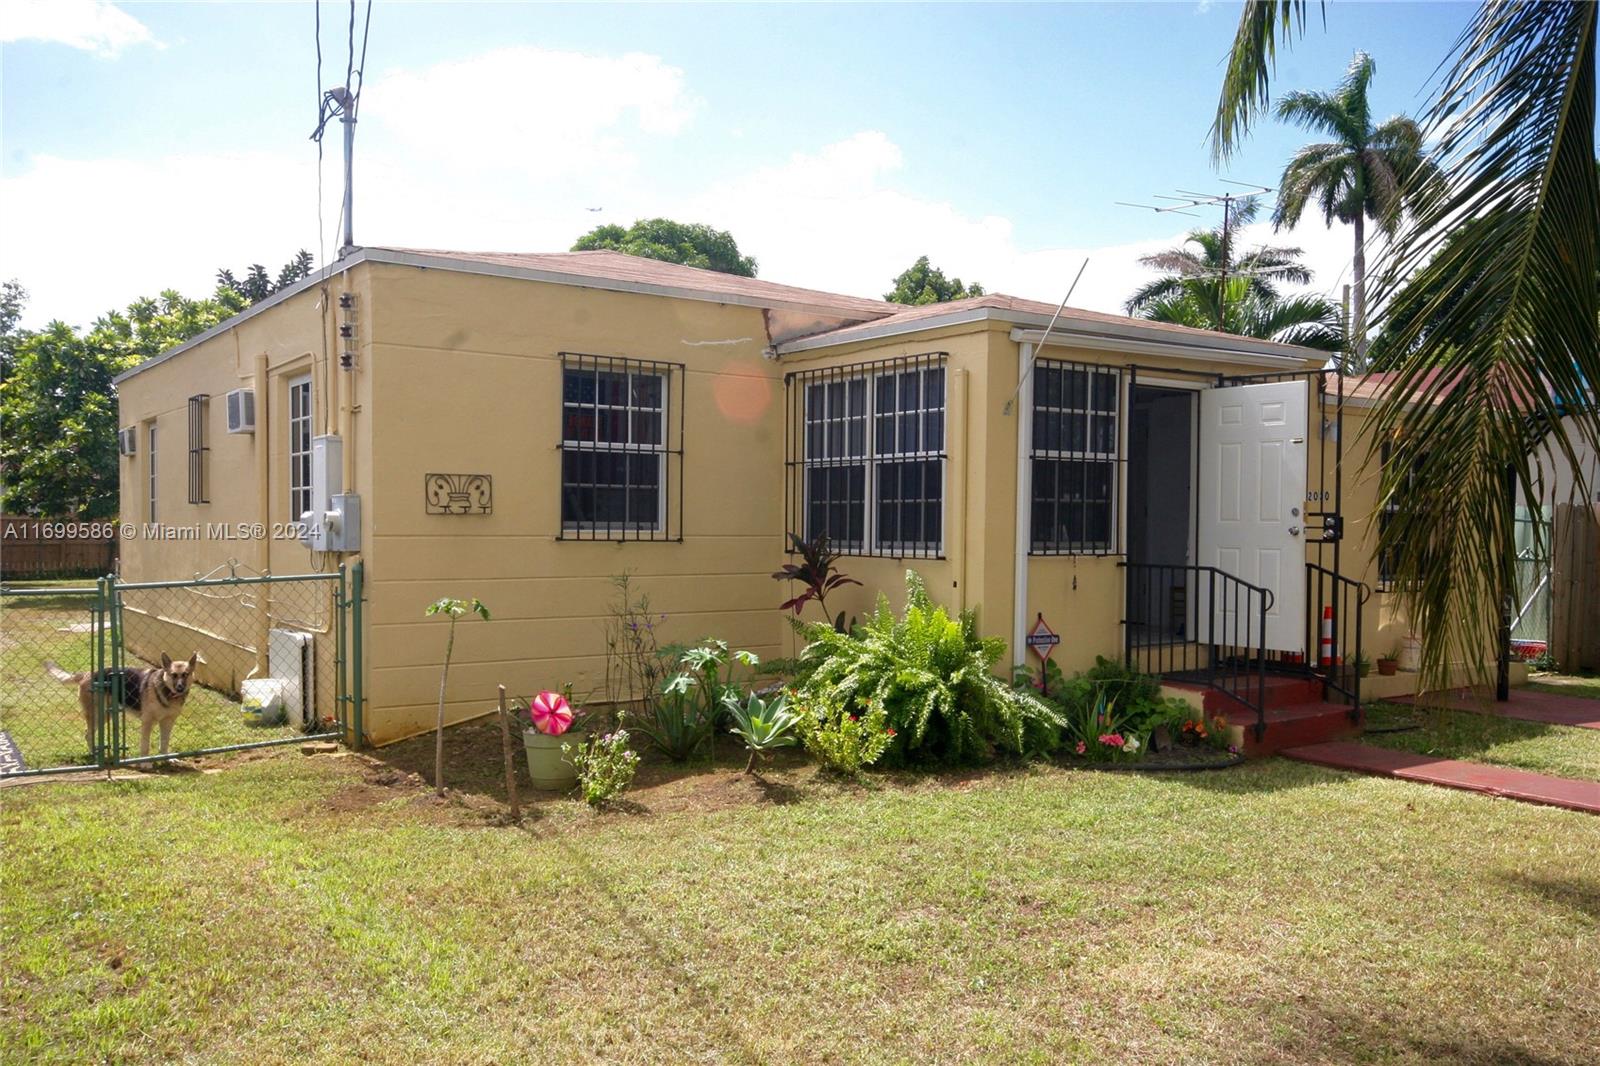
(548, 767)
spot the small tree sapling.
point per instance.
(453, 609)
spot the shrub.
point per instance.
(605, 766)
(932, 676)
(841, 738)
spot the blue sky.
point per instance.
(837, 142)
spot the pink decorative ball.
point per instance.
(551, 713)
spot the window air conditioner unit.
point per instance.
(128, 440)
(242, 411)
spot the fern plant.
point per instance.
(933, 675)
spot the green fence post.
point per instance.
(97, 680)
(356, 582)
(341, 662)
(114, 611)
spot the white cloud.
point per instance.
(90, 25)
(507, 152)
(836, 219)
(533, 110)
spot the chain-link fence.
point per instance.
(42, 721)
(267, 661)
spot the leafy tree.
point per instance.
(689, 243)
(1516, 354)
(12, 299)
(258, 284)
(921, 283)
(1364, 172)
(59, 452)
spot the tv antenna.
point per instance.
(1188, 202)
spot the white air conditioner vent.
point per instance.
(242, 411)
(128, 440)
(291, 659)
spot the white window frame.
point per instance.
(629, 411)
(839, 450)
(152, 472)
(300, 417)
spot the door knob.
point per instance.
(1294, 531)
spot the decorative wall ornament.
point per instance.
(458, 493)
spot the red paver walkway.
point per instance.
(1452, 773)
(1548, 707)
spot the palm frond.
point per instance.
(1246, 83)
(1497, 352)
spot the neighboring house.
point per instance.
(520, 428)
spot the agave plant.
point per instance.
(763, 725)
(816, 573)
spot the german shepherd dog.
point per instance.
(155, 694)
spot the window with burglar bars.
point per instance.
(299, 446)
(621, 448)
(150, 466)
(1386, 560)
(1075, 458)
(199, 449)
(866, 456)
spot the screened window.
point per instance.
(1076, 411)
(869, 473)
(151, 468)
(299, 446)
(616, 461)
(199, 449)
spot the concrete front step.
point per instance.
(1288, 727)
(1281, 691)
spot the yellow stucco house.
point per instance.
(520, 428)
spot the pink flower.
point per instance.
(1111, 740)
(551, 713)
(1081, 748)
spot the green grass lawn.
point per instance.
(43, 716)
(328, 909)
(1567, 684)
(1563, 751)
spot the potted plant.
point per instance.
(1363, 664)
(551, 723)
(1389, 662)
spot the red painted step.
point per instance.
(1288, 727)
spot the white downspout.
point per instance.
(1024, 410)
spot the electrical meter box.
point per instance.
(334, 522)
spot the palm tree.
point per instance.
(1206, 256)
(1363, 172)
(1203, 286)
(1506, 329)
(1309, 320)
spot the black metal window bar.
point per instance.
(1386, 512)
(199, 448)
(621, 448)
(865, 455)
(1075, 461)
(150, 463)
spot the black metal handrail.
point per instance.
(1200, 624)
(1338, 663)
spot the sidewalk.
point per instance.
(1523, 785)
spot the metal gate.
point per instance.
(277, 661)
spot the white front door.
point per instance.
(1252, 509)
